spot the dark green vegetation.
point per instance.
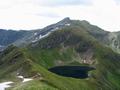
(72, 45)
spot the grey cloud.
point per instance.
(53, 3)
(48, 14)
(117, 2)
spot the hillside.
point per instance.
(74, 46)
(69, 46)
(23, 37)
(9, 36)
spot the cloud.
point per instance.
(104, 13)
(57, 3)
(43, 3)
(117, 2)
(31, 14)
(48, 14)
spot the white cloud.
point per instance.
(57, 3)
(104, 13)
(31, 14)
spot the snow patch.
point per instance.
(5, 85)
(20, 77)
(35, 34)
(35, 40)
(27, 79)
(42, 36)
(45, 35)
(67, 24)
(24, 79)
(55, 29)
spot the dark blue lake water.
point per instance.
(72, 71)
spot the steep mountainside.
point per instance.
(9, 36)
(74, 46)
(110, 39)
(23, 38)
(71, 45)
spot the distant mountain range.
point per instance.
(23, 37)
(70, 43)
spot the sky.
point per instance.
(36, 14)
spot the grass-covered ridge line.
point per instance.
(107, 61)
(69, 46)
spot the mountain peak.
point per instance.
(85, 22)
(65, 20)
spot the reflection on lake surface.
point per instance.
(72, 71)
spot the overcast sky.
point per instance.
(33, 14)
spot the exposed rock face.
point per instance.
(23, 38)
(2, 48)
(87, 57)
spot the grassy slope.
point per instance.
(43, 55)
(34, 85)
(106, 76)
(50, 80)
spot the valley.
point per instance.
(68, 55)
